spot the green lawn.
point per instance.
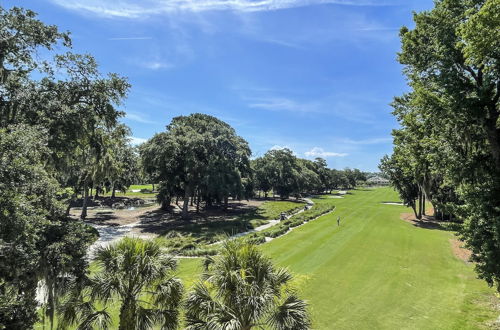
(376, 271)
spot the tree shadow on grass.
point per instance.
(100, 217)
(205, 226)
(429, 222)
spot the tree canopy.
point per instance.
(449, 142)
(198, 155)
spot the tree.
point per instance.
(243, 290)
(402, 180)
(321, 169)
(451, 59)
(139, 273)
(70, 97)
(37, 240)
(308, 177)
(199, 155)
(53, 115)
(283, 171)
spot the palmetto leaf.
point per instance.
(138, 274)
(290, 314)
(97, 320)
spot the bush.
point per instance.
(202, 251)
(316, 211)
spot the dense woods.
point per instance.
(448, 147)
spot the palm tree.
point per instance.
(138, 274)
(240, 290)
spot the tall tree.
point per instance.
(197, 155)
(451, 59)
(285, 172)
(37, 241)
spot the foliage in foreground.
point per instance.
(242, 289)
(37, 241)
(139, 274)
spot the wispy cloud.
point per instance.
(320, 152)
(156, 65)
(139, 117)
(282, 104)
(135, 9)
(130, 38)
(136, 140)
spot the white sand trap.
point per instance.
(393, 203)
(342, 192)
(135, 190)
(336, 197)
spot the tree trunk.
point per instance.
(96, 192)
(226, 203)
(198, 198)
(423, 206)
(73, 197)
(419, 205)
(127, 315)
(153, 187)
(414, 209)
(165, 203)
(85, 197)
(185, 210)
(113, 191)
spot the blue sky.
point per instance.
(316, 76)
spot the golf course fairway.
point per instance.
(376, 271)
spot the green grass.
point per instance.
(376, 271)
(144, 194)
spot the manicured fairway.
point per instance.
(376, 271)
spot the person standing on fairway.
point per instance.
(338, 221)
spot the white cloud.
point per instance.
(139, 117)
(319, 152)
(138, 9)
(136, 140)
(156, 65)
(282, 104)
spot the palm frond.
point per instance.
(290, 314)
(97, 320)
